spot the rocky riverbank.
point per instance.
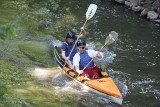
(146, 8)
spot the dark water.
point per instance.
(138, 53)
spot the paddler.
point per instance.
(67, 46)
(83, 57)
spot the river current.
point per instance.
(137, 52)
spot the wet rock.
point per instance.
(145, 10)
(158, 20)
(127, 3)
(152, 15)
(158, 11)
(134, 3)
(156, 4)
(148, 8)
(137, 8)
(148, 1)
(120, 1)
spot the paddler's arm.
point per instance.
(63, 48)
(66, 59)
(93, 53)
(64, 56)
(77, 69)
(76, 60)
(99, 55)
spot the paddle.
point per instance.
(109, 40)
(89, 14)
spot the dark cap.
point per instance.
(70, 35)
(81, 43)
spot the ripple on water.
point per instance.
(138, 85)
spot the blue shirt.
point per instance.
(68, 47)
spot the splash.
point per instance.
(43, 73)
(56, 42)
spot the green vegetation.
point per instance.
(3, 89)
(9, 30)
(26, 27)
(37, 52)
(17, 86)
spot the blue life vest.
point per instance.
(84, 60)
(67, 48)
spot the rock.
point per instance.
(149, 8)
(158, 10)
(157, 21)
(145, 10)
(120, 1)
(156, 4)
(137, 8)
(127, 3)
(134, 2)
(148, 1)
(152, 15)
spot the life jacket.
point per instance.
(68, 50)
(84, 60)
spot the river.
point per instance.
(137, 52)
(138, 55)
(137, 60)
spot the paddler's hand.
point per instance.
(82, 28)
(83, 32)
(67, 59)
(80, 71)
(98, 56)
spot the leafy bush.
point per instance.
(9, 30)
(3, 88)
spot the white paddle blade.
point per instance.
(91, 11)
(111, 38)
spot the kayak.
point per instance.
(104, 85)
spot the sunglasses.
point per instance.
(82, 47)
